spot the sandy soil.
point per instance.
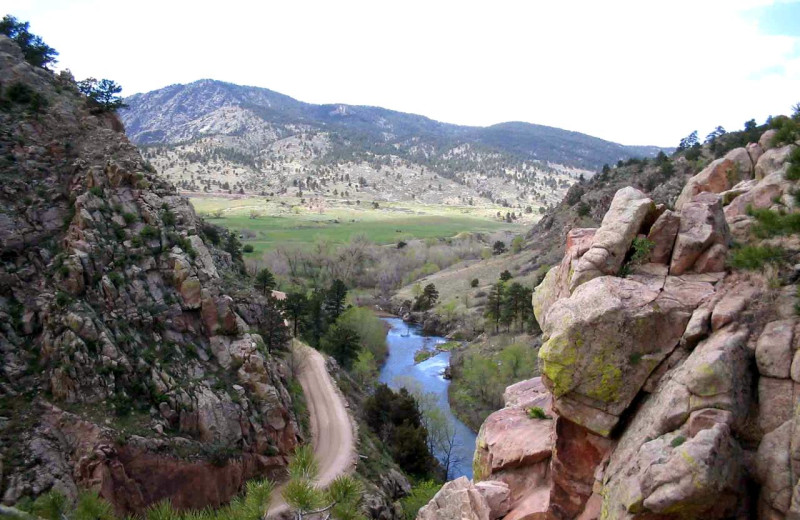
(331, 429)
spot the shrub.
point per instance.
(168, 218)
(148, 232)
(116, 278)
(218, 453)
(248, 248)
(754, 257)
(474, 282)
(641, 249)
(97, 191)
(211, 233)
(536, 412)
(770, 223)
(130, 218)
(369, 328)
(677, 441)
(420, 495)
(583, 209)
(793, 172)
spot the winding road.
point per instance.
(332, 433)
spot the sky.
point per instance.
(635, 72)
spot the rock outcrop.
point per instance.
(671, 379)
(119, 304)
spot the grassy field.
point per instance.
(266, 224)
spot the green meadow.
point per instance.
(266, 224)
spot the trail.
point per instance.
(331, 430)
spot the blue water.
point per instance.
(400, 366)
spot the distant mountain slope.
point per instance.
(211, 136)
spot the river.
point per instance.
(400, 365)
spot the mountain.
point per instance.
(216, 136)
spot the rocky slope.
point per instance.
(215, 136)
(669, 377)
(131, 346)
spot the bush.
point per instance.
(793, 172)
(369, 328)
(770, 223)
(583, 209)
(677, 441)
(754, 257)
(474, 283)
(168, 218)
(537, 412)
(248, 248)
(420, 495)
(149, 232)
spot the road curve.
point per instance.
(332, 433)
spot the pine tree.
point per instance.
(494, 305)
(342, 343)
(265, 281)
(335, 300)
(274, 333)
(35, 51)
(295, 306)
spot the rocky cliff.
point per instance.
(669, 364)
(132, 360)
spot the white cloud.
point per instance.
(630, 71)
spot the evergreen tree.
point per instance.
(427, 299)
(265, 281)
(334, 300)
(295, 306)
(315, 325)
(35, 51)
(494, 305)
(275, 334)
(499, 247)
(104, 93)
(506, 275)
(342, 343)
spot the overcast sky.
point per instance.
(638, 72)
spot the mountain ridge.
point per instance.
(212, 136)
(327, 110)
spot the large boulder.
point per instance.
(458, 499)
(708, 392)
(600, 347)
(772, 161)
(555, 284)
(703, 230)
(774, 351)
(497, 495)
(514, 448)
(610, 244)
(721, 175)
(662, 235)
(697, 476)
(763, 195)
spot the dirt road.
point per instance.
(331, 430)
